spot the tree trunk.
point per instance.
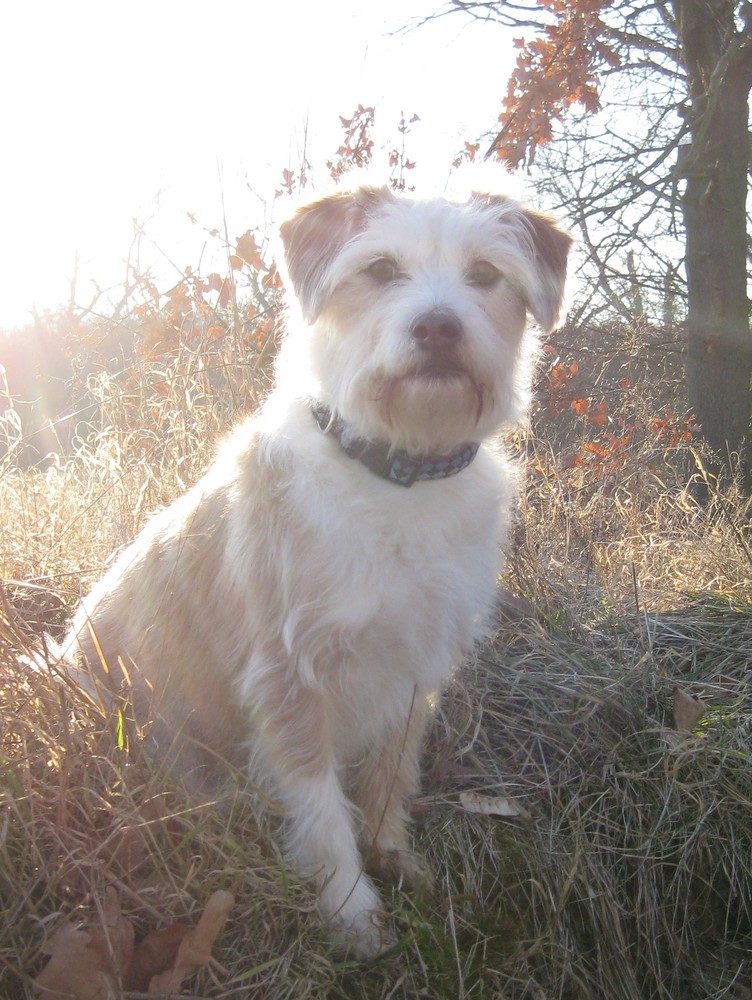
(718, 61)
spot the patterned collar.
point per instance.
(399, 467)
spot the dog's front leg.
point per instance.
(297, 752)
(385, 781)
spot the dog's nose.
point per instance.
(437, 330)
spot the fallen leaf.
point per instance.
(688, 710)
(96, 962)
(156, 953)
(195, 948)
(88, 964)
(73, 969)
(491, 805)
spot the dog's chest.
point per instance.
(406, 613)
(404, 581)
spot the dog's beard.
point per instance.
(432, 410)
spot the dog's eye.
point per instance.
(483, 274)
(383, 270)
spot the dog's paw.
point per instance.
(365, 938)
(403, 865)
(356, 922)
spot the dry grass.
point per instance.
(631, 875)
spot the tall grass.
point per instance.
(628, 874)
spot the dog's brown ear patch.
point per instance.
(313, 237)
(552, 246)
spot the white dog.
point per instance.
(299, 607)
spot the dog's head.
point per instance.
(417, 310)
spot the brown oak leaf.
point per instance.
(688, 710)
(88, 964)
(195, 948)
(97, 962)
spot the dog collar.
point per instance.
(398, 467)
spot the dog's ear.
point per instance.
(314, 236)
(550, 246)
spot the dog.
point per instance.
(298, 610)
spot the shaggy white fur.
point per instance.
(296, 610)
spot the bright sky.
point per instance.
(150, 109)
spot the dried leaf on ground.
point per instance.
(94, 963)
(688, 710)
(491, 805)
(195, 948)
(154, 954)
(87, 964)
